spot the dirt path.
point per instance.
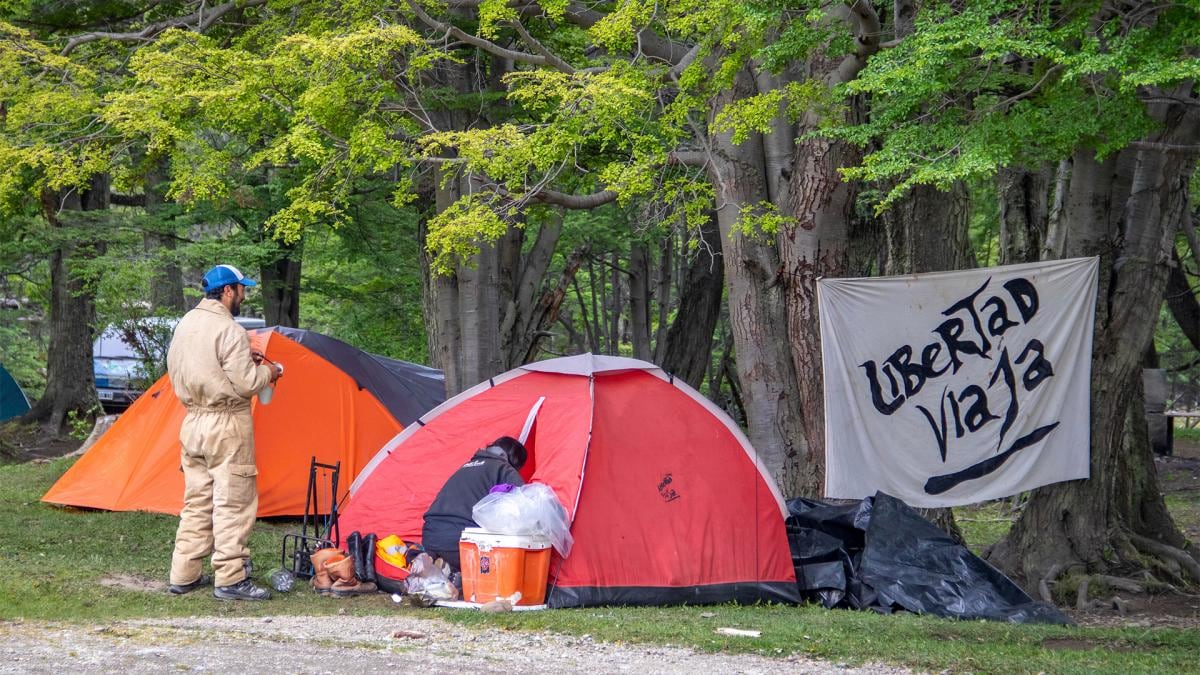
(343, 644)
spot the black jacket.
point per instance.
(450, 512)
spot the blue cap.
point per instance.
(224, 275)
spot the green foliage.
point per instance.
(80, 424)
(998, 83)
(303, 105)
(762, 221)
(362, 283)
(24, 353)
(49, 136)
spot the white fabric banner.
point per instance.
(951, 388)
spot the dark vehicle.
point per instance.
(123, 371)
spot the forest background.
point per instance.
(476, 184)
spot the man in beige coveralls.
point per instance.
(215, 374)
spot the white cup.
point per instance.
(264, 396)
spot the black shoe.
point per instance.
(368, 556)
(180, 589)
(354, 550)
(242, 590)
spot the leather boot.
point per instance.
(341, 569)
(321, 581)
(354, 552)
(347, 589)
(345, 584)
(368, 555)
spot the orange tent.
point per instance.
(334, 401)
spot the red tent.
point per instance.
(335, 402)
(668, 501)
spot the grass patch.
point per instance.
(1185, 433)
(984, 524)
(1185, 509)
(54, 559)
(859, 637)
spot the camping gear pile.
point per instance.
(348, 574)
(879, 554)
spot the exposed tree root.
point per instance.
(1044, 583)
(1120, 583)
(1051, 576)
(1167, 552)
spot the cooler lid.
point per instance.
(480, 536)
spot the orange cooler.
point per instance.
(498, 565)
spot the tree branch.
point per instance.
(204, 18)
(688, 158)
(569, 201)
(683, 63)
(484, 44)
(651, 43)
(552, 59)
(866, 40)
(1164, 147)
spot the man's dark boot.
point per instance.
(180, 589)
(242, 590)
(354, 550)
(368, 556)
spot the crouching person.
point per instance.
(215, 375)
(450, 513)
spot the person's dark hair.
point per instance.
(517, 454)
(216, 293)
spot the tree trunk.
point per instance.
(822, 205)
(1024, 213)
(166, 287)
(927, 231)
(281, 286)
(546, 312)
(639, 299)
(1181, 299)
(70, 379)
(757, 307)
(529, 315)
(662, 293)
(479, 315)
(616, 305)
(442, 325)
(1098, 522)
(689, 341)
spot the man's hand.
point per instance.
(257, 356)
(276, 372)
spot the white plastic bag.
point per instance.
(426, 578)
(529, 509)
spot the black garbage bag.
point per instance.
(892, 558)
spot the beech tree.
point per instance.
(1106, 94)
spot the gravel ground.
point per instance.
(345, 644)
